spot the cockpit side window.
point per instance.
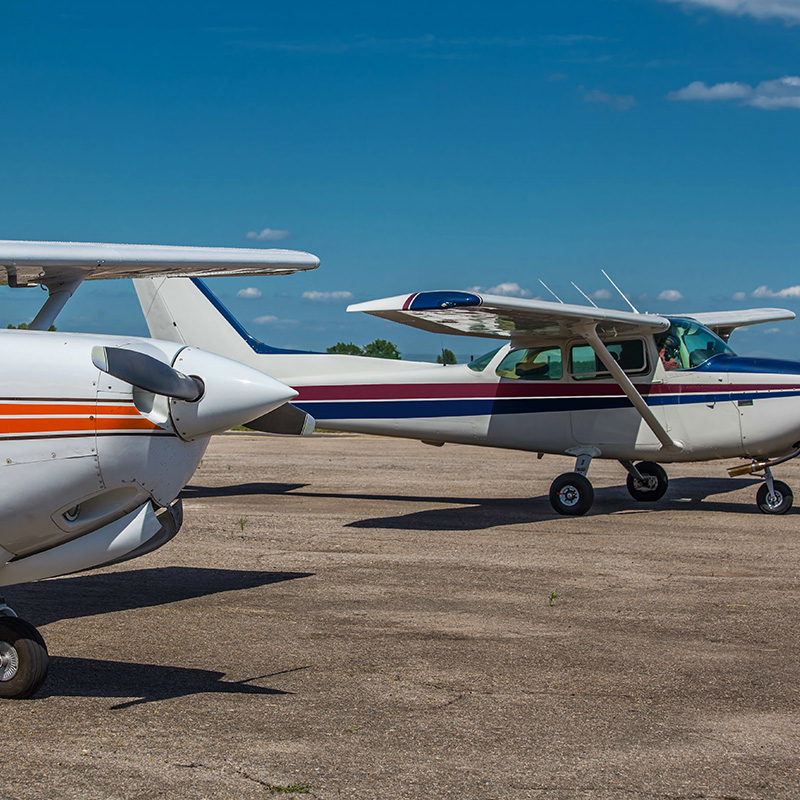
(688, 344)
(532, 364)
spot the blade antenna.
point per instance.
(584, 293)
(633, 308)
(551, 291)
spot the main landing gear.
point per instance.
(572, 494)
(23, 656)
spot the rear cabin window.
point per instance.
(532, 364)
(584, 363)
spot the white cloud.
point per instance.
(772, 330)
(326, 296)
(670, 295)
(268, 319)
(770, 95)
(249, 293)
(506, 289)
(622, 102)
(789, 291)
(268, 235)
(601, 294)
(740, 295)
(787, 10)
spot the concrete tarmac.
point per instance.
(355, 617)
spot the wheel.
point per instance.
(777, 503)
(571, 494)
(23, 658)
(654, 484)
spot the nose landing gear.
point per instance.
(23, 656)
(773, 497)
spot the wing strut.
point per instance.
(631, 392)
(59, 291)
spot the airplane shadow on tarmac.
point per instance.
(240, 490)
(478, 513)
(143, 683)
(686, 494)
(101, 593)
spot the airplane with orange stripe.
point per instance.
(99, 434)
(569, 380)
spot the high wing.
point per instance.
(62, 266)
(724, 323)
(45, 262)
(497, 317)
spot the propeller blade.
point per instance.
(287, 419)
(148, 373)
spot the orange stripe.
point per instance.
(56, 425)
(125, 424)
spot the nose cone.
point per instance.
(234, 394)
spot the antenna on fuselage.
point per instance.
(633, 307)
(551, 291)
(584, 293)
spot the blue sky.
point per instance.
(411, 147)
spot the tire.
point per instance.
(571, 494)
(648, 491)
(780, 503)
(23, 658)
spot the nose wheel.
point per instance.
(777, 500)
(23, 658)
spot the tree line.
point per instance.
(383, 348)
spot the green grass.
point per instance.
(290, 788)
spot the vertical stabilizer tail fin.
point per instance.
(185, 310)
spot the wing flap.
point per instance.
(496, 317)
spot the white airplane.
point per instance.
(99, 434)
(569, 380)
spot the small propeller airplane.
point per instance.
(99, 434)
(570, 380)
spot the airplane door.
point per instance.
(764, 420)
(701, 412)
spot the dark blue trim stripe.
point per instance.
(403, 409)
(255, 345)
(742, 365)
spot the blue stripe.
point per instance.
(404, 409)
(255, 345)
(742, 365)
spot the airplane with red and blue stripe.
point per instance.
(569, 380)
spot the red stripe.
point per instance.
(411, 391)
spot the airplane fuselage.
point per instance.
(727, 407)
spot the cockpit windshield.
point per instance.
(479, 364)
(689, 344)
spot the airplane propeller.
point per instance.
(148, 373)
